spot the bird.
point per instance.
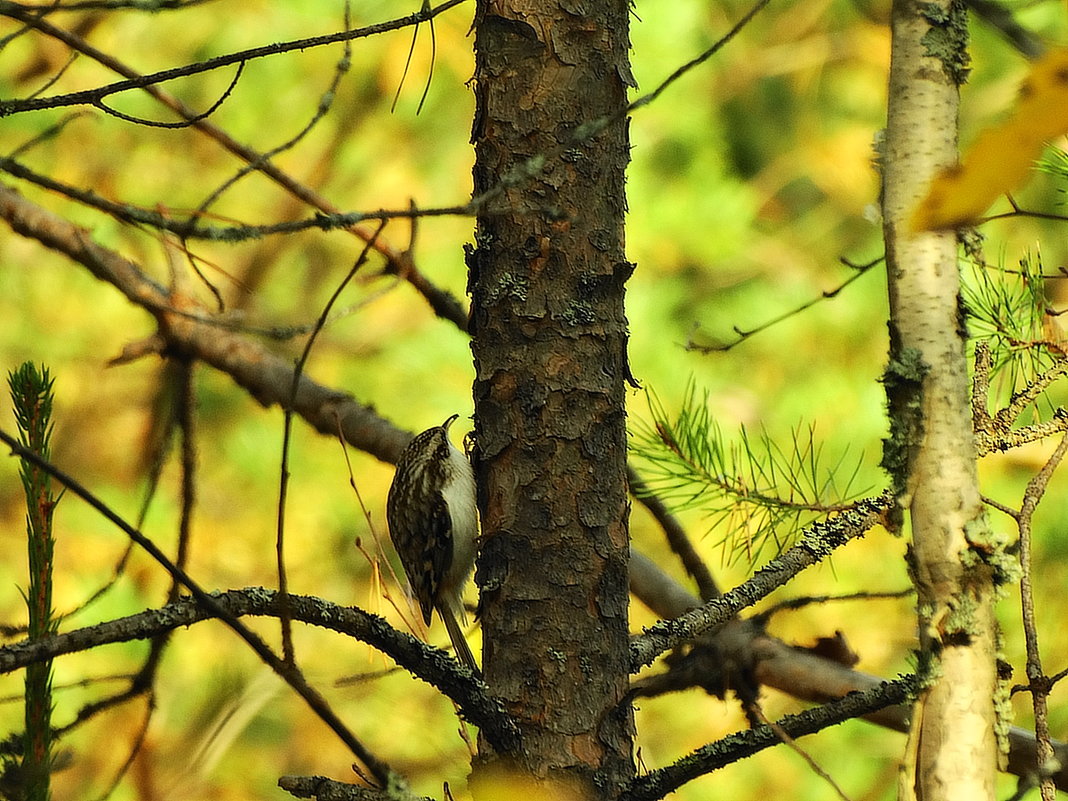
(433, 523)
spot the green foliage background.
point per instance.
(751, 178)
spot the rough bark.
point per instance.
(931, 452)
(547, 276)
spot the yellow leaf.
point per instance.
(1001, 157)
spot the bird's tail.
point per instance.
(459, 641)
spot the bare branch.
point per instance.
(658, 783)
(646, 99)
(1002, 19)
(399, 263)
(382, 773)
(1038, 682)
(810, 677)
(817, 542)
(187, 227)
(184, 123)
(287, 428)
(94, 96)
(742, 334)
(423, 661)
(676, 536)
(193, 331)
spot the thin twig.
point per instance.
(283, 585)
(323, 107)
(186, 416)
(187, 227)
(1008, 510)
(186, 123)
(662, 782)
(283, 484)
(93, 96)
(742, 334)
(801, 602)
(408, 64)
(380, 770)
(791, 743)
(645, 100)
(443, 303)
(1037, 680)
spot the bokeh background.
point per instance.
(752, 178)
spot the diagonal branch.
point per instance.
(677, 537)
(1004, 21)
(423, 661)
(382, 773)
(94, 96)
(807, 676)
(399, 263)
(659, 783)
(818, 541)
(190, 329)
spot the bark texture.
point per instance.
(547, 276)
(931, 452)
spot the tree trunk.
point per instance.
(547, 276)
(931, 452)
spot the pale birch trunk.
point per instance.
(931, 452)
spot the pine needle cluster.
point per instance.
(755, 493)
(1009, 310)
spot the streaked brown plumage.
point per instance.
(433, 523)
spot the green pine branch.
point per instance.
(753, 490)
(1009, 311)
(31, 395)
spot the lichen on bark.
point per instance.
(947, 39)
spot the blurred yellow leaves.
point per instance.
(999, 160)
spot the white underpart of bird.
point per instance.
(459, 497)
